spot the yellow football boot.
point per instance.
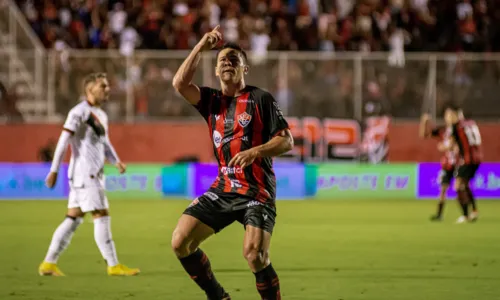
(49, 269)
(122, 270)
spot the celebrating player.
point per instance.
(247, 129)
(86, 129)
(448, 159)
(466, 136)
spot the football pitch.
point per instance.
(324, 250)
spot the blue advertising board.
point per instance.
(27, 181)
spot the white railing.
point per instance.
(320, 84)
(23, 43)
(305, 83)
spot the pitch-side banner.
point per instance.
(486, 183)
(27, 181)
(364, 181)
(140, 181)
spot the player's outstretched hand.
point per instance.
(211, 39)
(51, 180)
(244, 158)
(121, 167)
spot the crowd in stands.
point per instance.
(261, 25)
(307, 88)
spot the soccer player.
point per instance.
(466, 136)
(86, 130)
(448, 159)
(247, 129)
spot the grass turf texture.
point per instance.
(321, 250)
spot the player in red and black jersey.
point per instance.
(448, 160)
(247, 129)
(467, 138)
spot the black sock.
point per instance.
(268, 284)
(472, 200)
(198, 267)
(440, 209)
(464, 203)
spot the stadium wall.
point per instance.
(296, 181)
(168, 141)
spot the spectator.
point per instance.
(8, 105)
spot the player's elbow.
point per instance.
(179, 84)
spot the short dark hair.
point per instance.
(236, 47)
(452, 106)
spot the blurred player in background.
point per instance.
(86, 130)
(448, 159)
(466, 137)
(247, 129)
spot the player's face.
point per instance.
(450, 117)
(230, 66)
(100, 90)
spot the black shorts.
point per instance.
(445, 176)
(219, 210)
(467, 172)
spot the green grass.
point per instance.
(326, 250)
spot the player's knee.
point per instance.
(100, 213)
(459, 185)
(254, 255)
(181, 244)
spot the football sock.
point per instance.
(464, 203)
(104, 240)
(440, 209)
(62, 238)
(471, 198)
(268, 283)
(197, 265)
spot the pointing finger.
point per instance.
(216, 29)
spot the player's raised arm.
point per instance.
(182, 81)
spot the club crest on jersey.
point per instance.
(244, 119)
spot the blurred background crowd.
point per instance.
(261, 25)
(305, 87)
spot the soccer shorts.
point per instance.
(88, 198)
(467, 172)
(219, 210)
(445, 176)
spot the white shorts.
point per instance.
(88, 198)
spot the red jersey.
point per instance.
(449, 158)
(468, 138)
(237, 124)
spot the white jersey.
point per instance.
(89, 143)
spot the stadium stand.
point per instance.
(117, 37)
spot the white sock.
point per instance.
(104, 240)
(62, 238)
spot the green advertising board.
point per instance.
(360, 181)
(141, 181)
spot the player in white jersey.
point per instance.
(86, 130)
